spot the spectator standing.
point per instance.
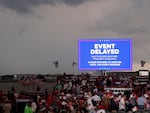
(38, 88)
(46, 93)
(122, 103)
(105, 101)
(7, 106)
(147, 104)
(132, 103)
(113, 104)
(34, 107)
(90, 106)
(28, 108)
(140, 102)
(1, 94)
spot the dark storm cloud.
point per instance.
(25, 6)
(75, 2)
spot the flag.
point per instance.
(74, 63)
(56, 63)
(142, 63)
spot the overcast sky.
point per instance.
(34, 33)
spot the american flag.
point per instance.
(56, 63)
(143, 63)
(74, 63)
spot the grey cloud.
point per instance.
(121, 28)
(25, 6)
(21, 30)
(140, 3)
(122, 21)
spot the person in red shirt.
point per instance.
(49, 99)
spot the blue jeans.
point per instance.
(141, 107)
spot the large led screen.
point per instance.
(105, 54)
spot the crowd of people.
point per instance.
(77, 94)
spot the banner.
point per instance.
(105, 54)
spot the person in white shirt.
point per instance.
(122, 103)
(90, 106)
(33, 107)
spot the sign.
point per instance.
(105, 54)
(143, 73)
